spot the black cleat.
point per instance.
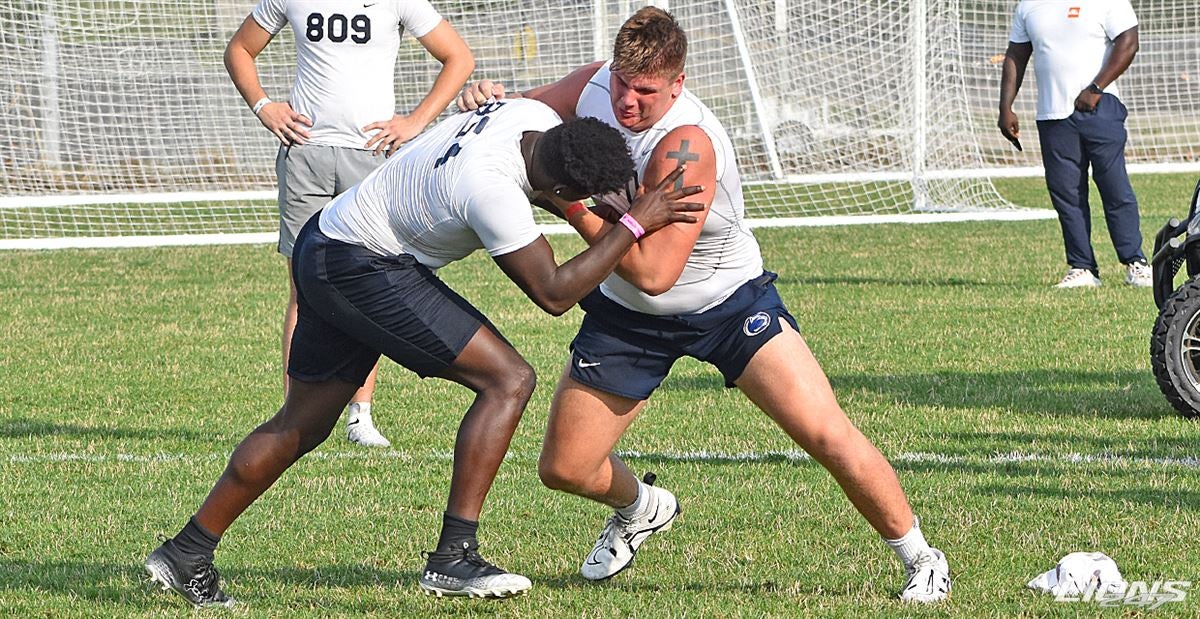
(462, 572)
(192, 576)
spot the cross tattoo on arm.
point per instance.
(682, 156)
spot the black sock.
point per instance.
(196, 540)
(455, 531)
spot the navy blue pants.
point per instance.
(1069, 146)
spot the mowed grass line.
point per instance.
(129, 375)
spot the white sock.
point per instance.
(911, 545)
(638, 505)
(358, 409)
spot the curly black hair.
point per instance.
(586, 155)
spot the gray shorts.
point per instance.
(310, 175)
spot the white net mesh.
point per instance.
(117, 117)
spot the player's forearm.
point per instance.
(575, 278)
(1125, 47)
(634, 267)
(1011, 78)
(244, 74)
(446, 87)
(1016, 58)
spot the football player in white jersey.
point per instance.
(341, 119)
(365, 274)
(697, 290)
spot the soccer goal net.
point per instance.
(120, 125)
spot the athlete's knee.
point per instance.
(514, 383)
(834, 442)
(558, 474)
(298, 432)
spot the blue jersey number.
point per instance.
(474, 125)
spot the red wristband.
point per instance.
(573, 210)
(628, 221)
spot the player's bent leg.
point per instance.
(584, 426)
(577, 457)
(503, 382)
(308, 415)
(785, 381)
(305, 420)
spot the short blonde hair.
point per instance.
(650, 43)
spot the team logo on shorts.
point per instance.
(756, 324)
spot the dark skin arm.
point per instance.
(556, 288)
(1016, 58)
(1125, 47)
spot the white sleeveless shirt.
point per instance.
(726, 255)
(458, 187)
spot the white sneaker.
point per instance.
(620, 539)
(1139, 275)
(360, 428)
(1078, 278)
(928, 578)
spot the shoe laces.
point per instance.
(925, 561)
(617, 525)
(469, 554)
(472, 556)
(204, 582)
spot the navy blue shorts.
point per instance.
(355, 304)
(628, 353)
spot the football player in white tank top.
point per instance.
(687, 275)
(365, 276)
(340, 119)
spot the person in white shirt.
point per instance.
(365, 271)
(695, 290)
(340, 121)
(1079, 50)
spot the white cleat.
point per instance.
(360, 428)
(621, 538)
(1139, 275)
(928, 579)
(1078, 278)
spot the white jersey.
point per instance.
(458, 187)
(346, 60)
(1071, 42)
(726, 255)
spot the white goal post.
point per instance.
(119, 125)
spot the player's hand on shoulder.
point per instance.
(664, 203)
(290, 126)
(475, 95)
(391, 134)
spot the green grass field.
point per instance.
(1024, 423)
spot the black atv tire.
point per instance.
(1175, 349)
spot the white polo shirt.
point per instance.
(1071, 40)
(346, 60)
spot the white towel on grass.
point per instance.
(1079, 572)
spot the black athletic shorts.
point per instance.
(355, 304)
(628, 353)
